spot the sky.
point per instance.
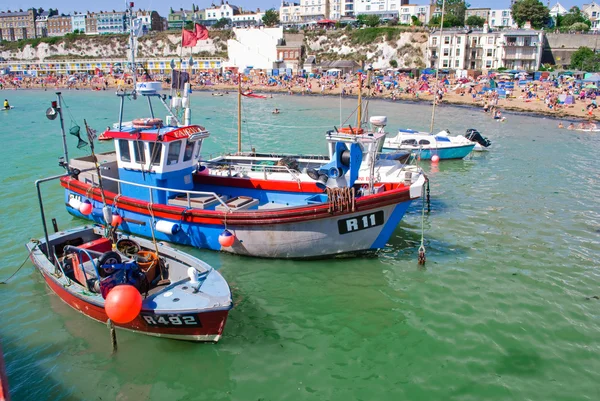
(162, 6)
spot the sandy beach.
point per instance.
(536, 99)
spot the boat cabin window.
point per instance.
(189, 151)
(155, 153)
(173, 154)
(409, 142)
(124, 150)
(424, 142)
(138, 152)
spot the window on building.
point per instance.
(505, 13)
(489, 52)
(124, 150)
(490, 40)
(368, 8)
(381, 7)
(493, 13)
(457, 52)
(458, 39)
(488, 64)
(434, 41)
(445, 63)
(446, 40)
(173, 155)
(446, 52)
(594, 14)
(456, 63)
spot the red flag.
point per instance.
(188, 38)
(201, 32)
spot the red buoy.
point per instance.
(116, 220)
(435, 158)
(226, 239)
(123, 303)
(86, 207)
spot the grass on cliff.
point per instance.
(69, 39)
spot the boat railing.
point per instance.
(152, 187)
(265, 168)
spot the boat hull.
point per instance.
(209, 329)
(444, 153)
(306, 232)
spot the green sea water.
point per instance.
(503, 309)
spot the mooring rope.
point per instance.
(422, 257)
(20, 267)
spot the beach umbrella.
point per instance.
(591, 86)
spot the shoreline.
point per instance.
(450, 99)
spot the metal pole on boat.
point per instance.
(62, 128)
(39, 193)
(239, 149)
(437, 70)
(359, 115)
(133, 45)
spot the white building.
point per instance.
(485, 50)
(592, 10)
(313, 10)
(448, 50)
(290, 13)
(256, 48)
(501, 18)
(421, 11)
(248, 19)
(557, 10)
(383, 8)
(78, 22)
(225, 10)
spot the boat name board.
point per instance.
(171, 320)
(361, 222)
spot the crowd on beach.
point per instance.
(563, 96)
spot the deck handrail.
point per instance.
(151, 187)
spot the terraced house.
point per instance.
(16, 25)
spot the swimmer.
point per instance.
(276, 111)
(560, 125)
(571, 126)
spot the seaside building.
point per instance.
(557, 10)
(254, 48)
(313, 10)
(478, 12)
(59, 25)
(91, 24)
(78, 22)
(16, 25)
(110, 22)
(289, 51)
(423, 12)
(151, 20)
(348, 9)
(486, 49)
(592, 11)
(41, 23)
(247, 19)
(448, 50)
(501, 18)
(290, 13)
(225, 10)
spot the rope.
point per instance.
(422, 258)
(113, 335)
(22, 264)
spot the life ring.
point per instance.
(351, 130)
(147, 123)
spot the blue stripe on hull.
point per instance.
(390, 225)
(456, 152)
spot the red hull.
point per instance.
(4, 396)
(212, 327)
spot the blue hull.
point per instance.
(455, 152)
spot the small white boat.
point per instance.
(425, 145)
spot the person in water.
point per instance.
(6, 104)
(276, 111)
(560, 125)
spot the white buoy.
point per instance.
(108, 215)
(167, 227)
(193, 275)
(74, 203)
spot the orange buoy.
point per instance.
(123, 303)
(226, 238)
(86, 207)
(351, 130)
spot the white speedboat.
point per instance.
(425, 145)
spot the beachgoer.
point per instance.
(560, 125)
(571, 126)
(276, 111)
(6, 105)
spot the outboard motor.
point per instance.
(474, 135)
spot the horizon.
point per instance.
(71, 6)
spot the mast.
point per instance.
(62, 128)
(437, 70)
(239, 148)
(359, 115)
(132, 45)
